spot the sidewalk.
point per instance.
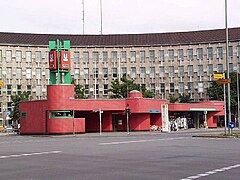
(134, 133)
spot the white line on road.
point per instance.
(29, 154)
(144, 140)
(208, 173)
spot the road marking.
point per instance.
(208, 173)
(29, 154)
(141, 141)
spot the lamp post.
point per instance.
(227, 65)
(128, 112)
(100, 119)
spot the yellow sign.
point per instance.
(1, 83)
(223, 81)
(217, 76)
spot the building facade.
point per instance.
(165, 63)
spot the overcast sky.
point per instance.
(119, 16)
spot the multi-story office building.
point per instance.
(165, 63)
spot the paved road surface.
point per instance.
(144, 156)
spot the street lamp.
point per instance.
(128, 113)
(227, 66)
(100, 119)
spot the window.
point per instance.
(152, 87)
(39, 90)
(162, 71)
(151, 55)
(219, 53)
(9, 89)
(152, 72)
(123, 56)
(38, 73)
(190, 70)
(200, 70)
(114, 72)
(142, 56)
(86, 73)
(180, 71)
(0, 55)
(95, 72)
(86, 88)
(181, 88)
(220, 68)
(142, 72)
(199, 53)
(200, 87)
(19, 89)
(28, 56)
(210, 69)
(162, 87)
(105, 89)
(210, 53)
(46, 56)
(114, 56)
(0, 72)
(124, 71)
(38, 56)
(105, 72)
(18, 56)
(171, 71)
(238, 52)
(230, 67)
(97, 88)
(230, 51)
(76, 56)
(180, 54)
(76, 73)
(105, 56)
(190, 87)
(95, 57)
(85, 57)
(133, 72)
(172, 88)
(9, 73)
(170, 54)
(28, 73)
(133, 56)
(161, 55)
(190, 54)
(8, 56)
(47, 71)
(29, 89)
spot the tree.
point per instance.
(184, 98)
(79, 90)
(16, 99)
(122, 88)
(173, 99)
(215, 91)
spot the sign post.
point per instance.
(165, 118)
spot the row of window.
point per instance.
(172, 87)
(123, 55)
(133, 72)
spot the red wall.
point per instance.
(34, 123)
(66, 125)
(139, 122)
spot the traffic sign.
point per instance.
(231, 125)
(1, 83)
(217, 76)
(224, 81)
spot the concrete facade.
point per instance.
(165, 69)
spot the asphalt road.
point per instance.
(136, 156)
